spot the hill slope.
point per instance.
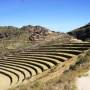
(13, 38)
(82, 33)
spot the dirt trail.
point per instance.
(83, 83)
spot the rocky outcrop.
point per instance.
(35, 32)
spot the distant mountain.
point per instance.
(82, 33)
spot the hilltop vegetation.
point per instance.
(82, 33)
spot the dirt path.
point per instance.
(83, 83)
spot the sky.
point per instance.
(57, 15)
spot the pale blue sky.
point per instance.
(59, 15)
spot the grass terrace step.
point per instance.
(14, 76)
(25, 73)
(62, 56)
(46, 50)
(28, 59)
(83, 43)
(3, 78)
(76, 52)
(59, 47)
(41, 54)
(44, 56)
(49, 60)
(70, 48)
(57, 54)
(36, 68)
(54, 61)
(61, 59)
(32, 70)
(80, 43)
(50, 53)
(47, 63)
(68, 45)
(67, 55)
(47, 57)
(18, 73)
(41, 65)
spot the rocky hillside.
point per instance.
(13, 38)
(82, 33)
(33, 32)
(29, 34)
(10, 35)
